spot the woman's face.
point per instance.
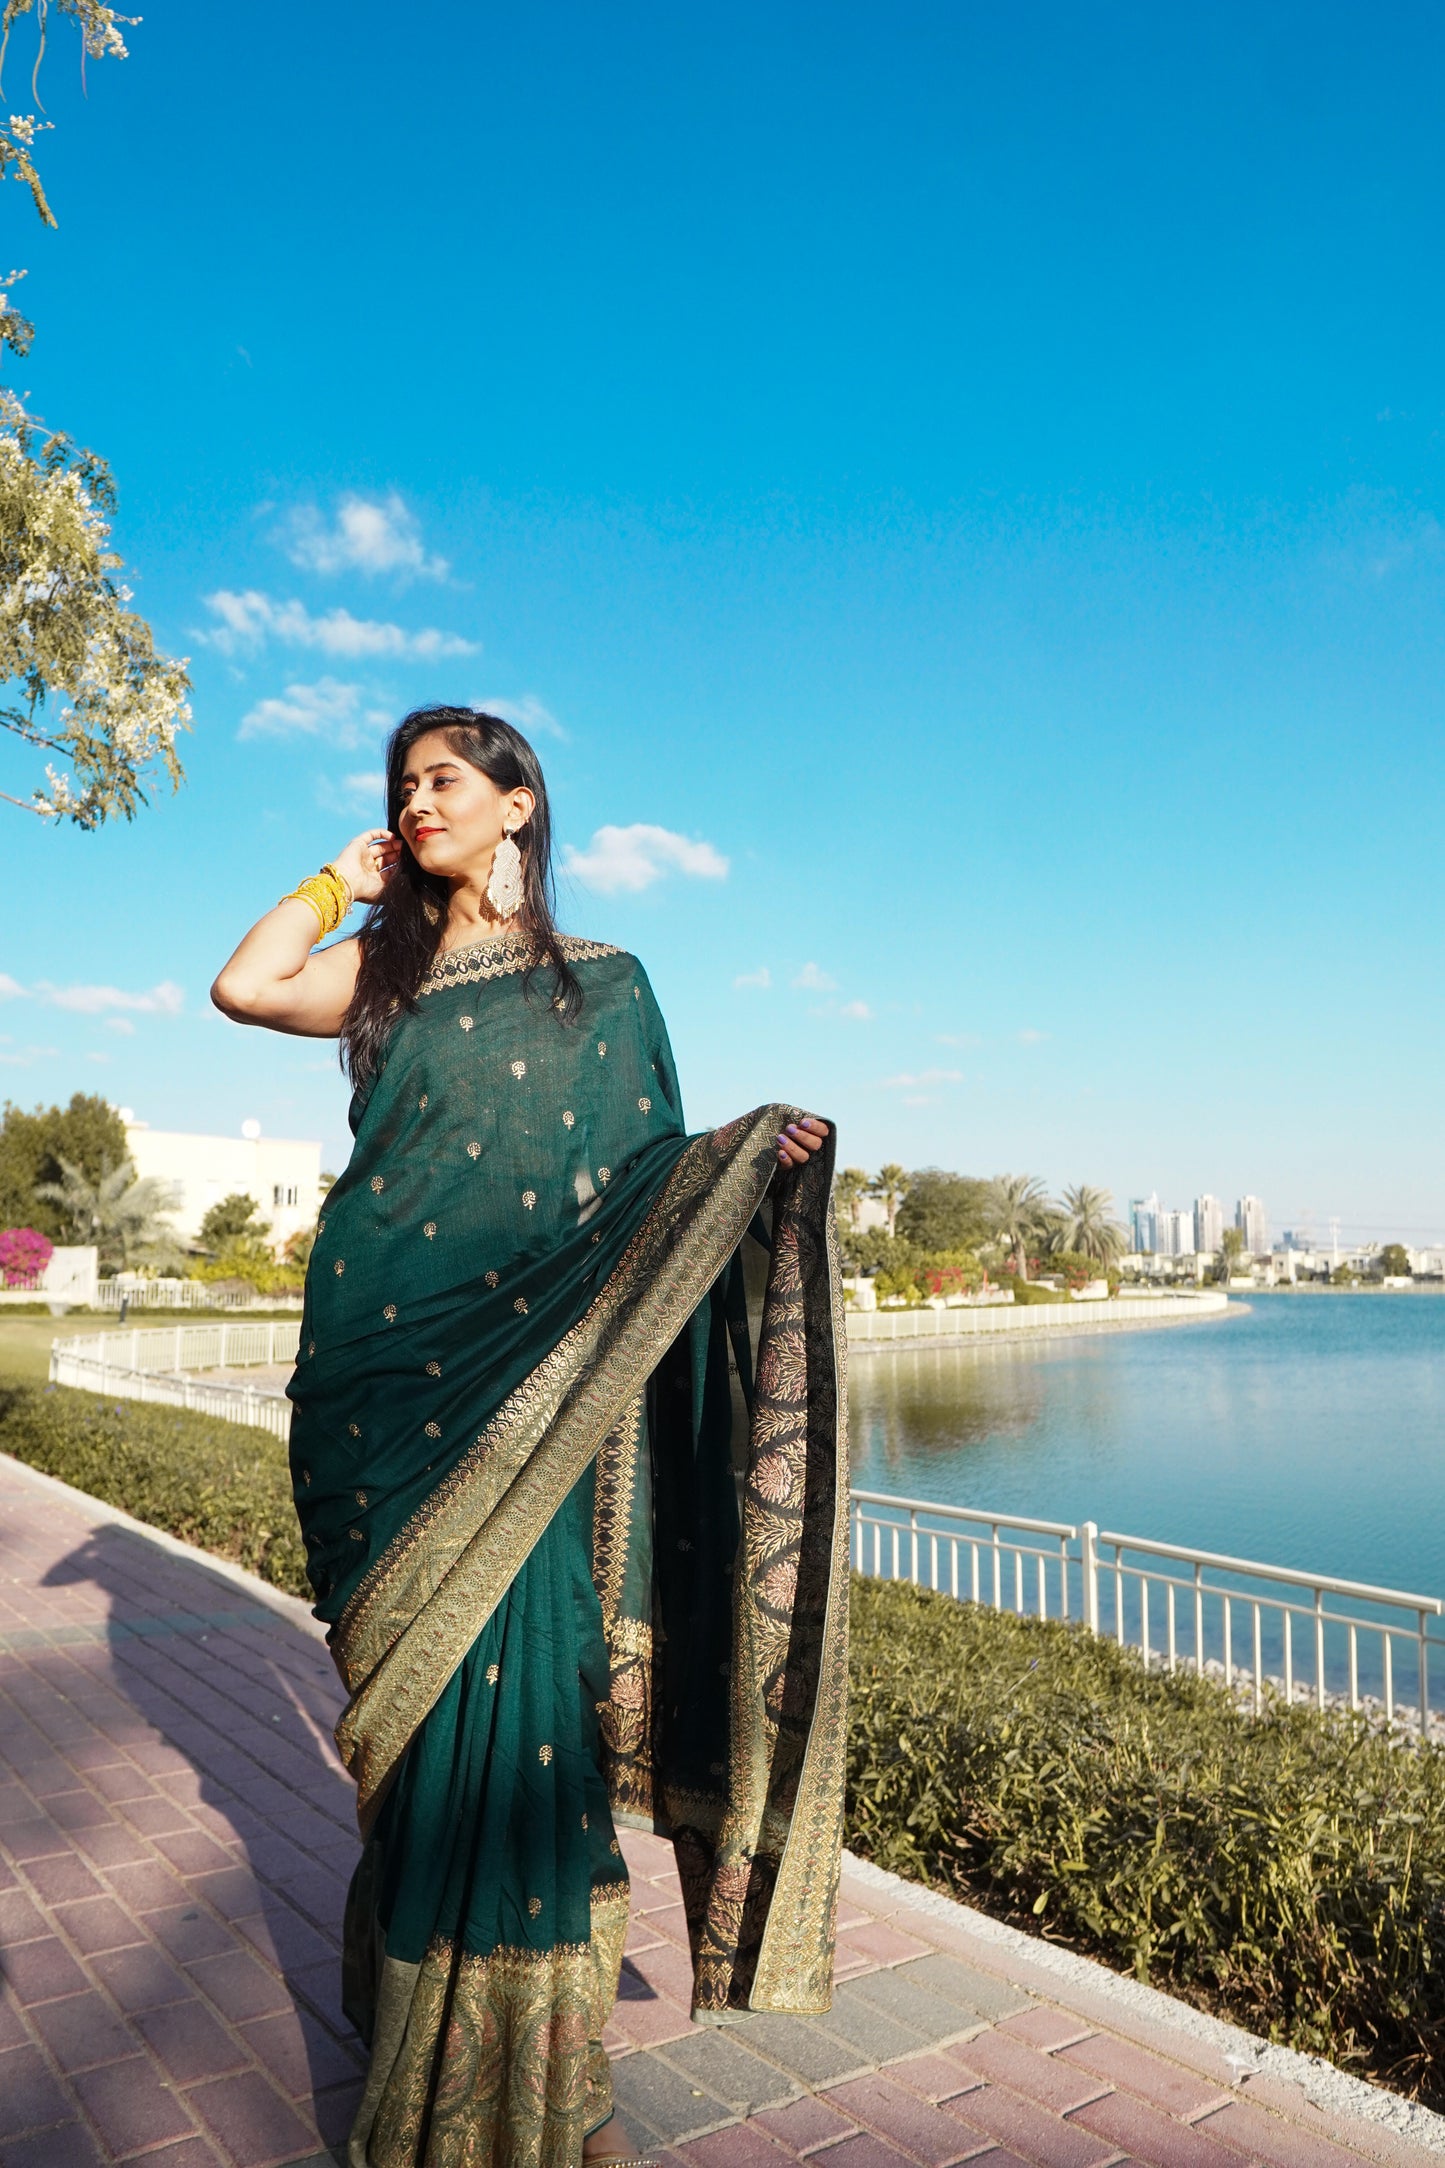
(452, 816)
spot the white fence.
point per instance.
(1264, 1628)
(156, 1366)
(926, 1326)
(168, 1294)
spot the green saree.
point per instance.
(568, 1452)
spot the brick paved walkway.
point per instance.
(175, 1838)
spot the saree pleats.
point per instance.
(582, 1540)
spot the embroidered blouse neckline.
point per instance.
(496, 955)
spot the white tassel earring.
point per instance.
(504, 884)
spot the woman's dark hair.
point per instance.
(403, 930)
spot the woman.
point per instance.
(577, 1573)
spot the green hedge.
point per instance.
(1286, 1871)
(216, 1484)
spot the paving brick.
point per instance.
(29, 2096)
(191, 1851)
(82, 2031)
(877, 2037)
(648, 2091)
(130, 2108)
(805, 2124)
(139, 1979)
(98, 1923)
(113, 1846)
(335, 2112)
(189, 2043)
(863, 2151)
(189, 1931)
(1047, 2079)
(239, 1986)
(935, 2077)
(648, 2023)
(741, 2145)
(200, 2153)
(1045, 2028)
(958, 1982)
(300, 2053)
(1146, 2135)
(13, 2029)
(39, 1971)
(147, 1885)
(62, 1878)
(34, 1838)
(664, 1970)
(78, 1809)
(1249, 2130)
(68, 2143)
(121, 1781)
(283, 1938)
(233, 1891)
(800, 2045)
(930, 2015)
(1030, 2130)
(320, 1987)
(154, 1815)
(254, 2124)
(890, 2111)
(19, 1920)
(1120, 2063)
(882, 1944)
(722, 2065)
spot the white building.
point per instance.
(1208, 1225)
(283, 1175)
(1175, 1233)
(1249, 1218)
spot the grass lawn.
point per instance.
(25, 1339)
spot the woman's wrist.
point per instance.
(329, 895)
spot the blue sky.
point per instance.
(976, 470)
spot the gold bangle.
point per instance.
(328, 895)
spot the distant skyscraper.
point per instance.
(1176, 1234)
(1208, 1224)
(1250, 1220)
(1144, 1224)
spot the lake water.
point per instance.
(1304, 1430)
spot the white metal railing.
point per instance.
(168, 1294)
(881, 1327)
(156, 1365)
(1265, 1629)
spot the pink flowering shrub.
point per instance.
(24, 1254)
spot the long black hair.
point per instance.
(403, 930)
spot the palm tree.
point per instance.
(849, 1190)
(1016, 1210)
(1087, 1224)
(120, 1214)
(891, 1184)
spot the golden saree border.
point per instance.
(421, 1607)
(494, 2058)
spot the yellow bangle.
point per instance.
(328, 895)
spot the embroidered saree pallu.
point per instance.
(579, 1531)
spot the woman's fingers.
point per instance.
(798, 1142)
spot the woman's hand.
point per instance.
(798, 1142)
(366, 863)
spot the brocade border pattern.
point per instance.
(500, 957)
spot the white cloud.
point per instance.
(762, 977)
(811, 980)
(327, 709)
(247, 619)
(121, 1024)
(30, 1054)
(908, 1081)
(167, 999)
(527, 715)
(367, 534)
(631, 859)
(10, 989)
(361, 792)
(1032, 1038)
(97, 1057)
(858, 1011)
(959, 1038)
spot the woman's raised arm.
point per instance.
(275, 979)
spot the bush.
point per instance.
(220, 1485)
(24, 1255)
(1031, 1291)
(1287, 1871)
